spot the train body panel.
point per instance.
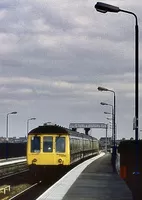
(48, 149)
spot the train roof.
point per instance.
(55, 129)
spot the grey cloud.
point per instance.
(53, 50)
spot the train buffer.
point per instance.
(96, 181)
(4, 188)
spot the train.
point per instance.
(50, 147)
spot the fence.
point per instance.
(9, 150)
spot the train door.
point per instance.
(61, 149)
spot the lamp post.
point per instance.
(106, 138)
(114, 131)
(108, 113)
(33, 118)
(7, 136)
(111, 127)
(102, 103)
(107, 104)
(102, 7)
(108, 118)
(12, 113)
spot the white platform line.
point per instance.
(60, 188)
(12, 162)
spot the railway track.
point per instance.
(23, 186)
(30, 193)
(10, 169)
(35, 190)
(17, 183)
(13, 174)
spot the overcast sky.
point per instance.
(53, 56)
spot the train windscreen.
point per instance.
(35, 144)
(47, 144)
(60, 144)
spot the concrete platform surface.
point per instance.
(99, 182)
(11, 161)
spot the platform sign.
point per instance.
(88, 125)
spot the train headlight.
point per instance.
(60, 161)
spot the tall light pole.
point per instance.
(108, 118)
(33, 118)
(110, 121)
(114, 131)
(102, 103)
(108, 113)
(7, 136)
(107, 104)
(12, 113)
(106, 138)
(111, 127)
(103, 7)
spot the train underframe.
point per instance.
(42, 172)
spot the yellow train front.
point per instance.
(51, 147)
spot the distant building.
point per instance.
(103, 142)
(118, 142)
(2, 139)
(109, 142)
(13, 139)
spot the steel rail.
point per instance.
(24, 191)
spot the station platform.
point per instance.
(99, 182)
(93, 180)
(4, 162)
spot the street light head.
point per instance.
(33, 118)
(109, 118)
(107, 113)
(13, 113)
(103, 104)
(103, 7)
(102, 89)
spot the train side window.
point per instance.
(47, 144)
(60, 144)
(71, 144)
(35, 144)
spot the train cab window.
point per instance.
(35, 144)
(47, 144)
(60, 144)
